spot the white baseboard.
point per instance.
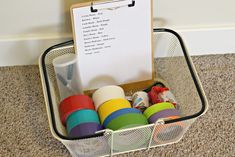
(25, 51)
(209, 40)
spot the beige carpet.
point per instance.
(24, 130)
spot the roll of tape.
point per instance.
(163, 114)
(168, 132)
(157, 107)
(111, 106)
(140, 100)
(127, 120)
(81, 116)
(107, 93)
(119, 113)
(85, 129)
(126, 140)
(74, 103)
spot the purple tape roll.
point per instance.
(163, 114)
(85, 129)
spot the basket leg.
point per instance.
(159, 122)
(109, 133)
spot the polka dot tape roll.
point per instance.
(140, 100)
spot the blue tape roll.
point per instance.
(119, 113)
(81, 116)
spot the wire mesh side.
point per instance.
(164, 134)
(54, 90)
(131, 139)
(170, 64)
(90, 147)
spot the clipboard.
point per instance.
(100, 5)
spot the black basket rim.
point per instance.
(189, 64)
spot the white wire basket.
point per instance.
(172, 63)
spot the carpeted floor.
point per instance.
(24, 127)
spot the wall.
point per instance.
(28, 27)
(183, 14)
(207, 26)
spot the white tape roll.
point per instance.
(107, 93)
(167, 96)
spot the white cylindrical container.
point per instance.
(67, 75)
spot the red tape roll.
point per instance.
(74, 103)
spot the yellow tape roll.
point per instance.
(111, 106)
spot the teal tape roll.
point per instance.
(81, 116)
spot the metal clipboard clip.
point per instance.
(93, 10)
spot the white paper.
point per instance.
(114, 46)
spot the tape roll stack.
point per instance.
(114, 110)
(163, 114)
(154, 109)
(116, 113)
(167, 132)
(164, 104)
(111, 106)
(165, 107)
(78, 114)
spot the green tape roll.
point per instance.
(157, 107)
(124, 121)
(126, 140)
